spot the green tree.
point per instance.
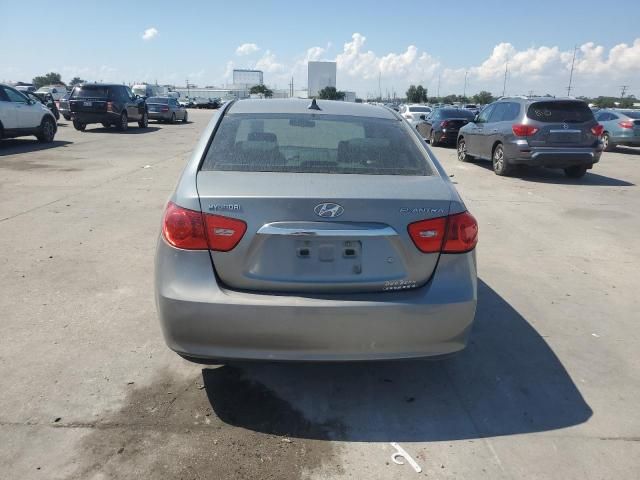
(330, 93)
(50, 78)
(483, 97)
(261, 90)
(76, 81)
(414, 95)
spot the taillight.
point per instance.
(597, 130)
(109, 106)
(444, 123)
(192, 230)
(520, 130)
(626, 124)
(224, 233)
(184, 228)
(453, 234)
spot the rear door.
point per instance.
(561, 123)
(326, 202)
(474, 135)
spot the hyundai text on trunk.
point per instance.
(320, 231)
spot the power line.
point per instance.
(575, 49)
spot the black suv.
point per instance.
(547, 132)
(106, 104)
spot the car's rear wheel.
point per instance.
(79, 126)
(47, 130)
(144, 121)
(500, 165)
(173, 118)
(463, 156)
(123, 123)
(577, 171)
(606, 142)
(432, 139)
(67, 117)
(185, 118)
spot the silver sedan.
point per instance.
(166, 109)
(322, 231)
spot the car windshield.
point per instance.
(90, 91)
(560, 111)
(455, 113)
(44, 89)
(163, 100)
(420, 109)
(310, 143)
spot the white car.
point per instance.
(20, 116)
(415, 113)
(56, 91)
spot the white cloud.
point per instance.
(314, 54)
(267, 63)
(247, 49)
(150, 33)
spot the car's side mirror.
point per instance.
(476, 119)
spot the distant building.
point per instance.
(349, 96)
(320, 75)
(248, 78)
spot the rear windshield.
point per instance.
(158, 100)
(455, 113)
(311, 143)
(420, 109)
(634, 115)
(556, 112)
(90, 92)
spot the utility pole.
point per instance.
(379, 86)
(291, 88)
(464, 92)
(439, 78)
(623, 90)
(504, 84)
(575, 49)
(188, 92)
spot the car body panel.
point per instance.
(87, 108)
(611, 120)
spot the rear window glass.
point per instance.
(419, 109)
(314, 144)
(158, 100)
(90, 92)
(455, 113)
(556, 112)
(634, 115)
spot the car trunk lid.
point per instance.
(328, 232)
(562, 124)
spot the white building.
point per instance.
(247, 77)
(320, 75)
(349, 96)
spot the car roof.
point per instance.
(101, 85)
(299, 105)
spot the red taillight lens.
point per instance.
(597, 130)
(520, 130)
(444, 123)
(165, 109)
(224, 233)
(453, 234)
(192, 230)
(184, 228)
(626, 124)
(462, 233)
(427, 235)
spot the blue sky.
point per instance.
(406, 42)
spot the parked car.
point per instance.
(276, 246)
(547, 132)
(46, 100)
(414, 113)
(621, 127)
(21, 116)
(108, 104)
(56, 91)
(442, 125)
(472, 107)
(166, 109)
(63, 106)
(145, 90)
(25, 88)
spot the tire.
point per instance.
(463, 156)
(144, 121)
(79, 126)
(577, 171)
(106, 125)
(185, 119)
(57, 115)
(606, 143)
(500, 165)
(67, 117)
(47, 130)
(123, 123)
(432, 139)
(173, 118)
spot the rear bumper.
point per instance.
(200, 319)
(159, 115)
(449, 136)
(520, 153)
(102, 117)
(629, 140)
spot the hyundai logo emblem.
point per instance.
(328, 210)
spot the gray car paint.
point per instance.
(204, 317)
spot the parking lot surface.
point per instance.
(548, 387)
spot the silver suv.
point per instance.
(547, 132)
